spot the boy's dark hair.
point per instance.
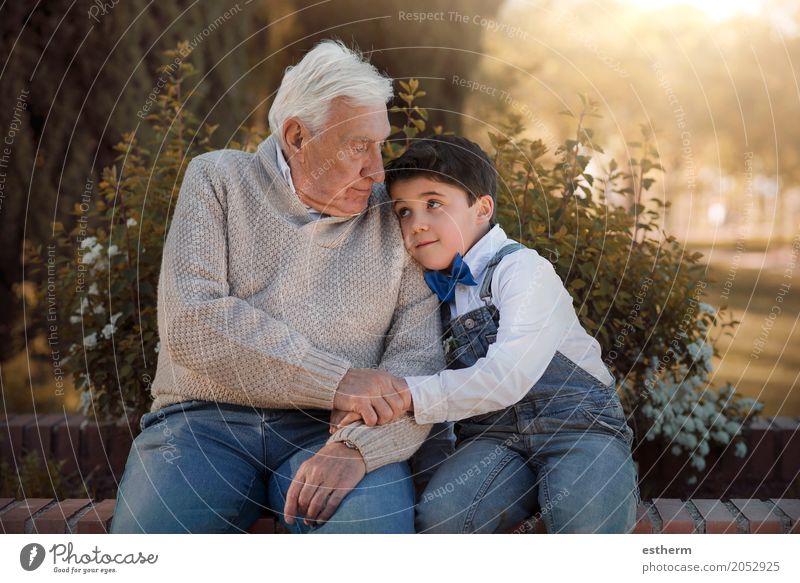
(450, 159)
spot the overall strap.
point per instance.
(486, 286)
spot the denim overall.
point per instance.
(563, 449)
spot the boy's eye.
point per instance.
(432, 204)
(402, 213)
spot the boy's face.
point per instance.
(437, 221)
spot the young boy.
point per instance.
(539, 420)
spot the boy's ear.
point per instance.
(485, 207)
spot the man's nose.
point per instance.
(374, 168)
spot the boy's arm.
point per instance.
(412, 346)
(535, 311)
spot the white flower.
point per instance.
(110, 328)
(93, 254)
(86, 397)
(74, 319)
(108, 331)
(88, 242)
(708, 308)
(112, 250)
(732, 427)
(741, 449)
(158, 346)
(698, 462)
(99, 309)
(92, 290)
(88, 258)
(676, 450)
(90, 341)
(131, 222)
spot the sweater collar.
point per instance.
(325, 232)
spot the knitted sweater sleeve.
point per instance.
(412, 344)
(238, 347)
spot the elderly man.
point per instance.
(285, 292)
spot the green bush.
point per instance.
(636, 289)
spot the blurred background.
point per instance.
(716, 81)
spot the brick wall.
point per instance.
(770, 470)
(661, 515)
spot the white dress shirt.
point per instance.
(286, 172)
(536, 320)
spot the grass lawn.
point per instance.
(761, 359)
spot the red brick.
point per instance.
(15, 432)
(120, 446)
(38, 436)
(788, 448)
(67, 438)
(644, 524)
(646, 453)
(761, 516)
(54, 519)
(791, 508)
(263, 525)
(672, 466)
(761, 464)
(98, 519)
(730, 467)
(13, 520)
(718, 519)
(94, 445)
(675, 518)
(6, 448)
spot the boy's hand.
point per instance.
(377, 396)
(341, 419)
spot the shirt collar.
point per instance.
(484, 249)
(286, 172)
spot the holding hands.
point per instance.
(374, 396)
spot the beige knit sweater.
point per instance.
(260, 305)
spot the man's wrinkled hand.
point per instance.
(322, 482)
(341, 419)
(377, 396)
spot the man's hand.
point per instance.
(322, 482)
(341, 419)
(377, 396)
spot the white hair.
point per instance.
(327, 71)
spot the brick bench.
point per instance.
(661, 515)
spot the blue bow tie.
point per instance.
(445, 285)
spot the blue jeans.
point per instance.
(564, 449)
(208, 467)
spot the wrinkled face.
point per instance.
(340, 164)
(437, 221)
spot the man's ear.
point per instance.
(294, 138)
